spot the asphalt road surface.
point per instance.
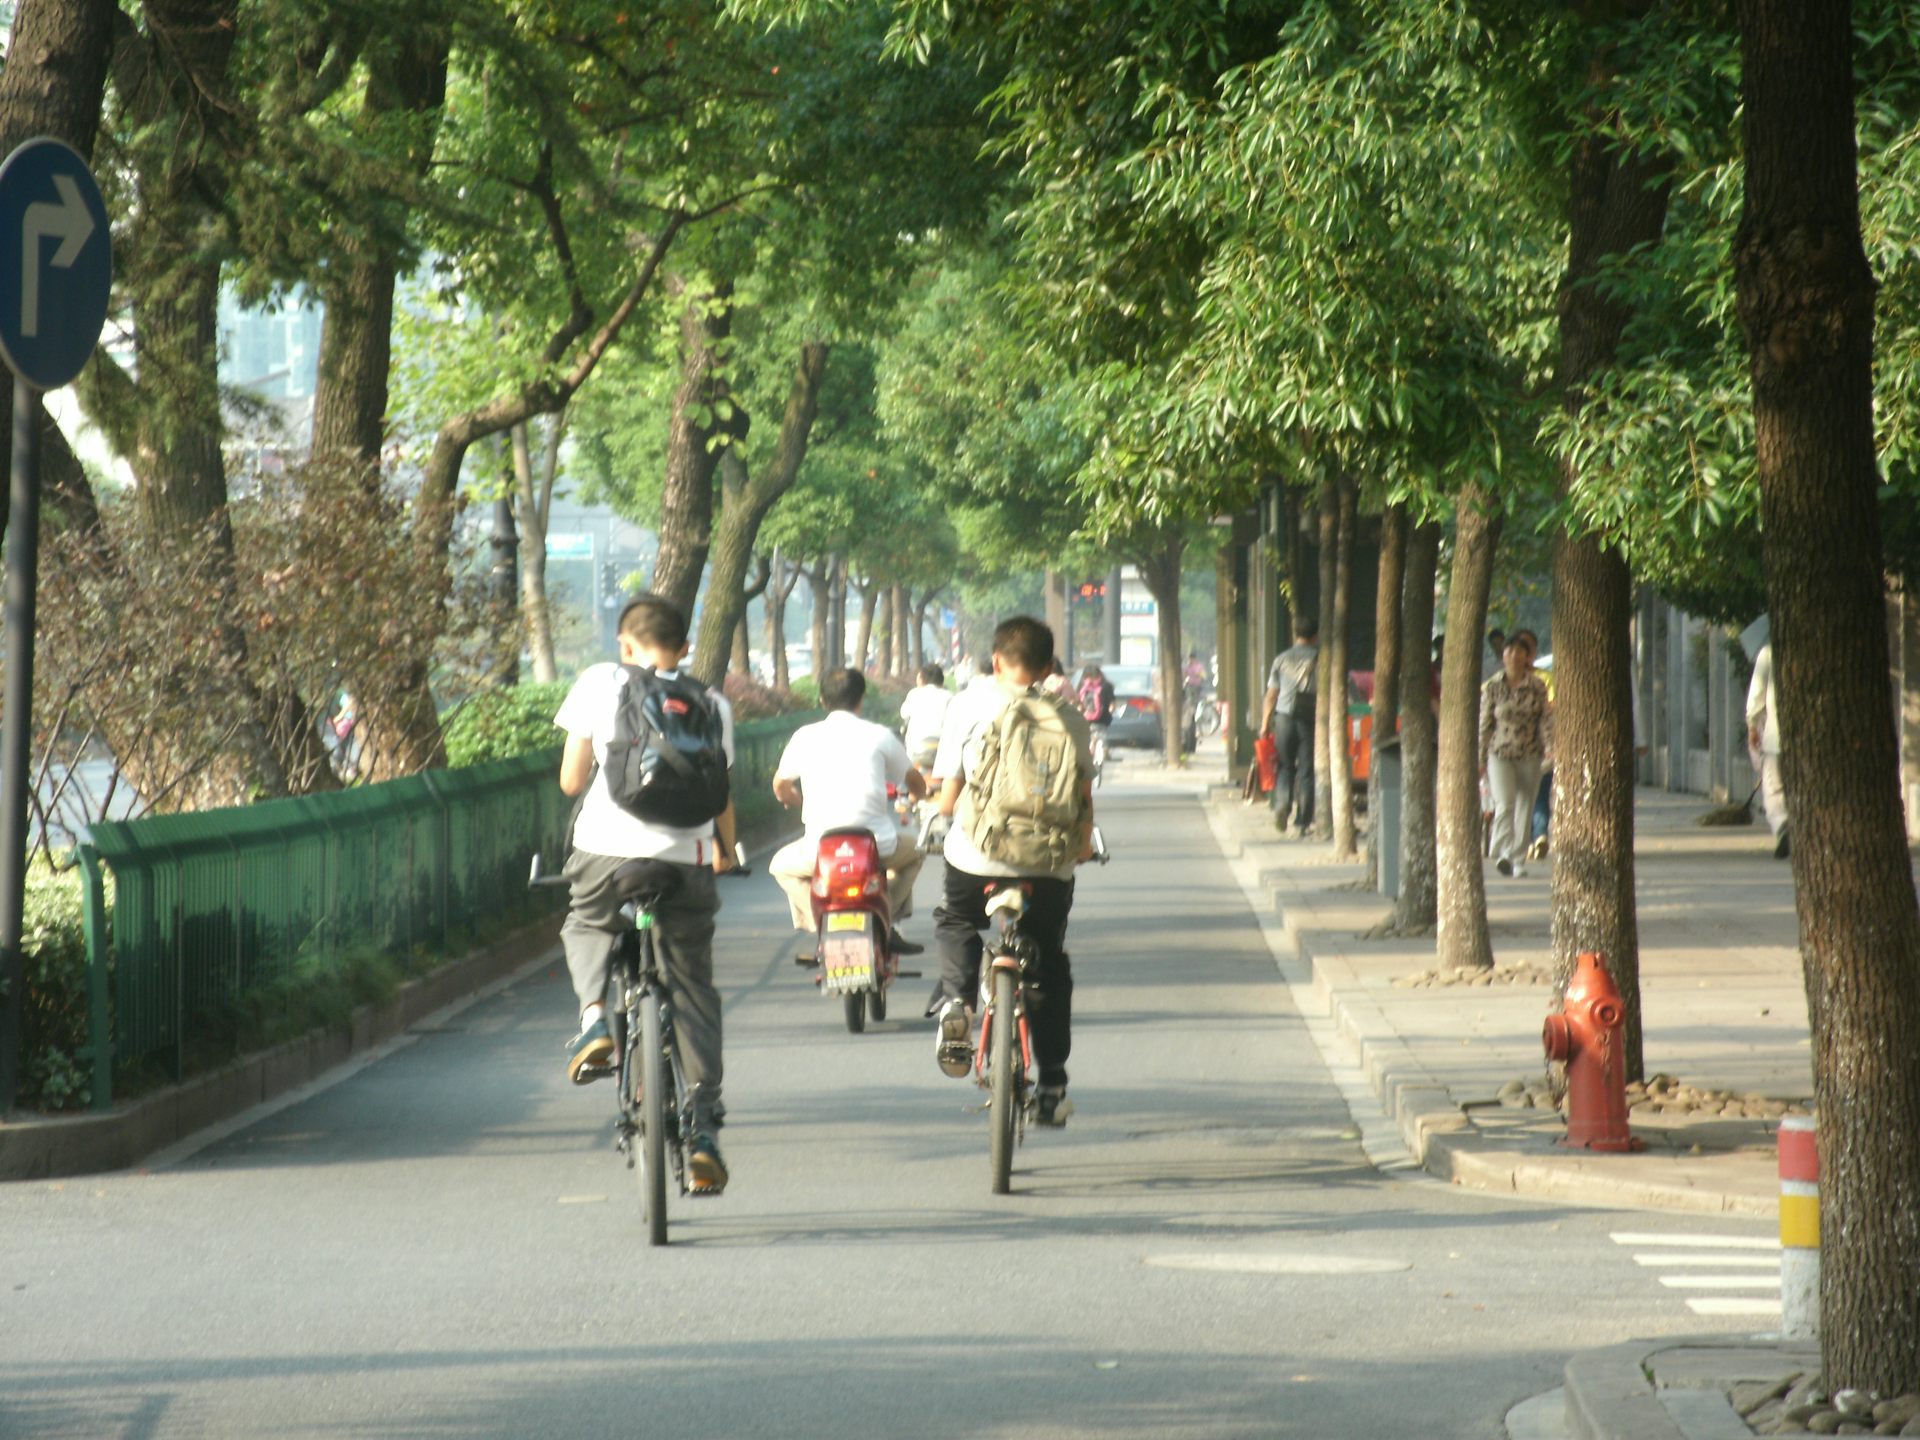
(444, 1242)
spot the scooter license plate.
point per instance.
(856, 921)
(847, 961)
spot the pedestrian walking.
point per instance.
(1515, 737)
(1287, 715)
(1763, 747)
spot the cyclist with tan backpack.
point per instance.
(1016, 777)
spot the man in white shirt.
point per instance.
(606, 837)
(838, 770)
(1022, 657)
(924, 713)
(1763, 744)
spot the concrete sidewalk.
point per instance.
(1459, 1068)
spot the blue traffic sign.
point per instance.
(56, 263)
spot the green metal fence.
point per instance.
(211, 907)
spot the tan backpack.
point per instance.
(1023, 793)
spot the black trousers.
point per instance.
(1293, 781)
(957, 923)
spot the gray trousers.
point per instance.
(683, 936)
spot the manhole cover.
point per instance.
(1249, 1264)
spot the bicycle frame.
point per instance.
(637, 969)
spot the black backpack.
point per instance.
(668, 761)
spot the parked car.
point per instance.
(1136, 714)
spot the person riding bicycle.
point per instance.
(607, 836)
(923, 714)
(839, 770)
(1010, 739)
(1095, 694)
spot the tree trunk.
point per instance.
(837, 619)
(863, 636)
(686, 499)
(1160, 569)
(1615, 202)
(1328, 516)
(1414, 907)
(1339, 755)
(1385, 706)
(819, 614)
(884, 627)
(1805, 300)
(1462, 941)
(920, 632)
(749, 500)
(780, 582)
(900, 623)
(535, 494)
(407, 77)
(1303, 590)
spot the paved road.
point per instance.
(444, 1243)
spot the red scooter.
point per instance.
(853, 923)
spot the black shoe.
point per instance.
(590, 1057)
(706, 1171)
(1503, 865)
(1051, 1108)
(900, 945)
(1783, 846)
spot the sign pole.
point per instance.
(16, 727)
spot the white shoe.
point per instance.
(953, 1039)
(1519, 872)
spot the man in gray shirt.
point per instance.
(1287, 715)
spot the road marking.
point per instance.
(1752, 1253)
(1721, 1282)
(1734, 1307)
(1268, 1264)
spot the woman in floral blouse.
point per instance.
(1516, 731)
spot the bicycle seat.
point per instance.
(1012, 898)
(648, 883)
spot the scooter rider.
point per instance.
(838, 770)
(1022, 656)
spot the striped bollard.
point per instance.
(1799, 1229)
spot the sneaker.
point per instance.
(1503, 865)
(1519, 872)
(1783, 846)
(900, 945)
(1051, 1107)
(706, 1171)
(590, 1056)
(953, 1039)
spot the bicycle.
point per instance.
(1208, 716)
(1004, 992)
(652, 1126)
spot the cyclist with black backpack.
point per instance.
(663, 743)
(1016, 776)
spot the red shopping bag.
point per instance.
(1266, 755)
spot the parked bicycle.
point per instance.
(652, 1123)
(1003, 1063)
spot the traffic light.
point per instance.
(609, 578)
(1093, 590)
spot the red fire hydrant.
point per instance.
(1586, 1036)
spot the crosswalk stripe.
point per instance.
(1757, 1262)
(1734, 1307)
(1720, 1282)
(1701, 1242)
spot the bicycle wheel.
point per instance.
(653, 1120)
(856, 1008)
(1208, 722)
(1002, 1048)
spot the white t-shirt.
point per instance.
(925, 713)
(972, 711)
(604, 828)
(844, 765)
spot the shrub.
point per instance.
(53, 1006)
(753, 701)
(499, 724)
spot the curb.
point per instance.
(1433, 1125)
(45, 1149)
(1672, 1389)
